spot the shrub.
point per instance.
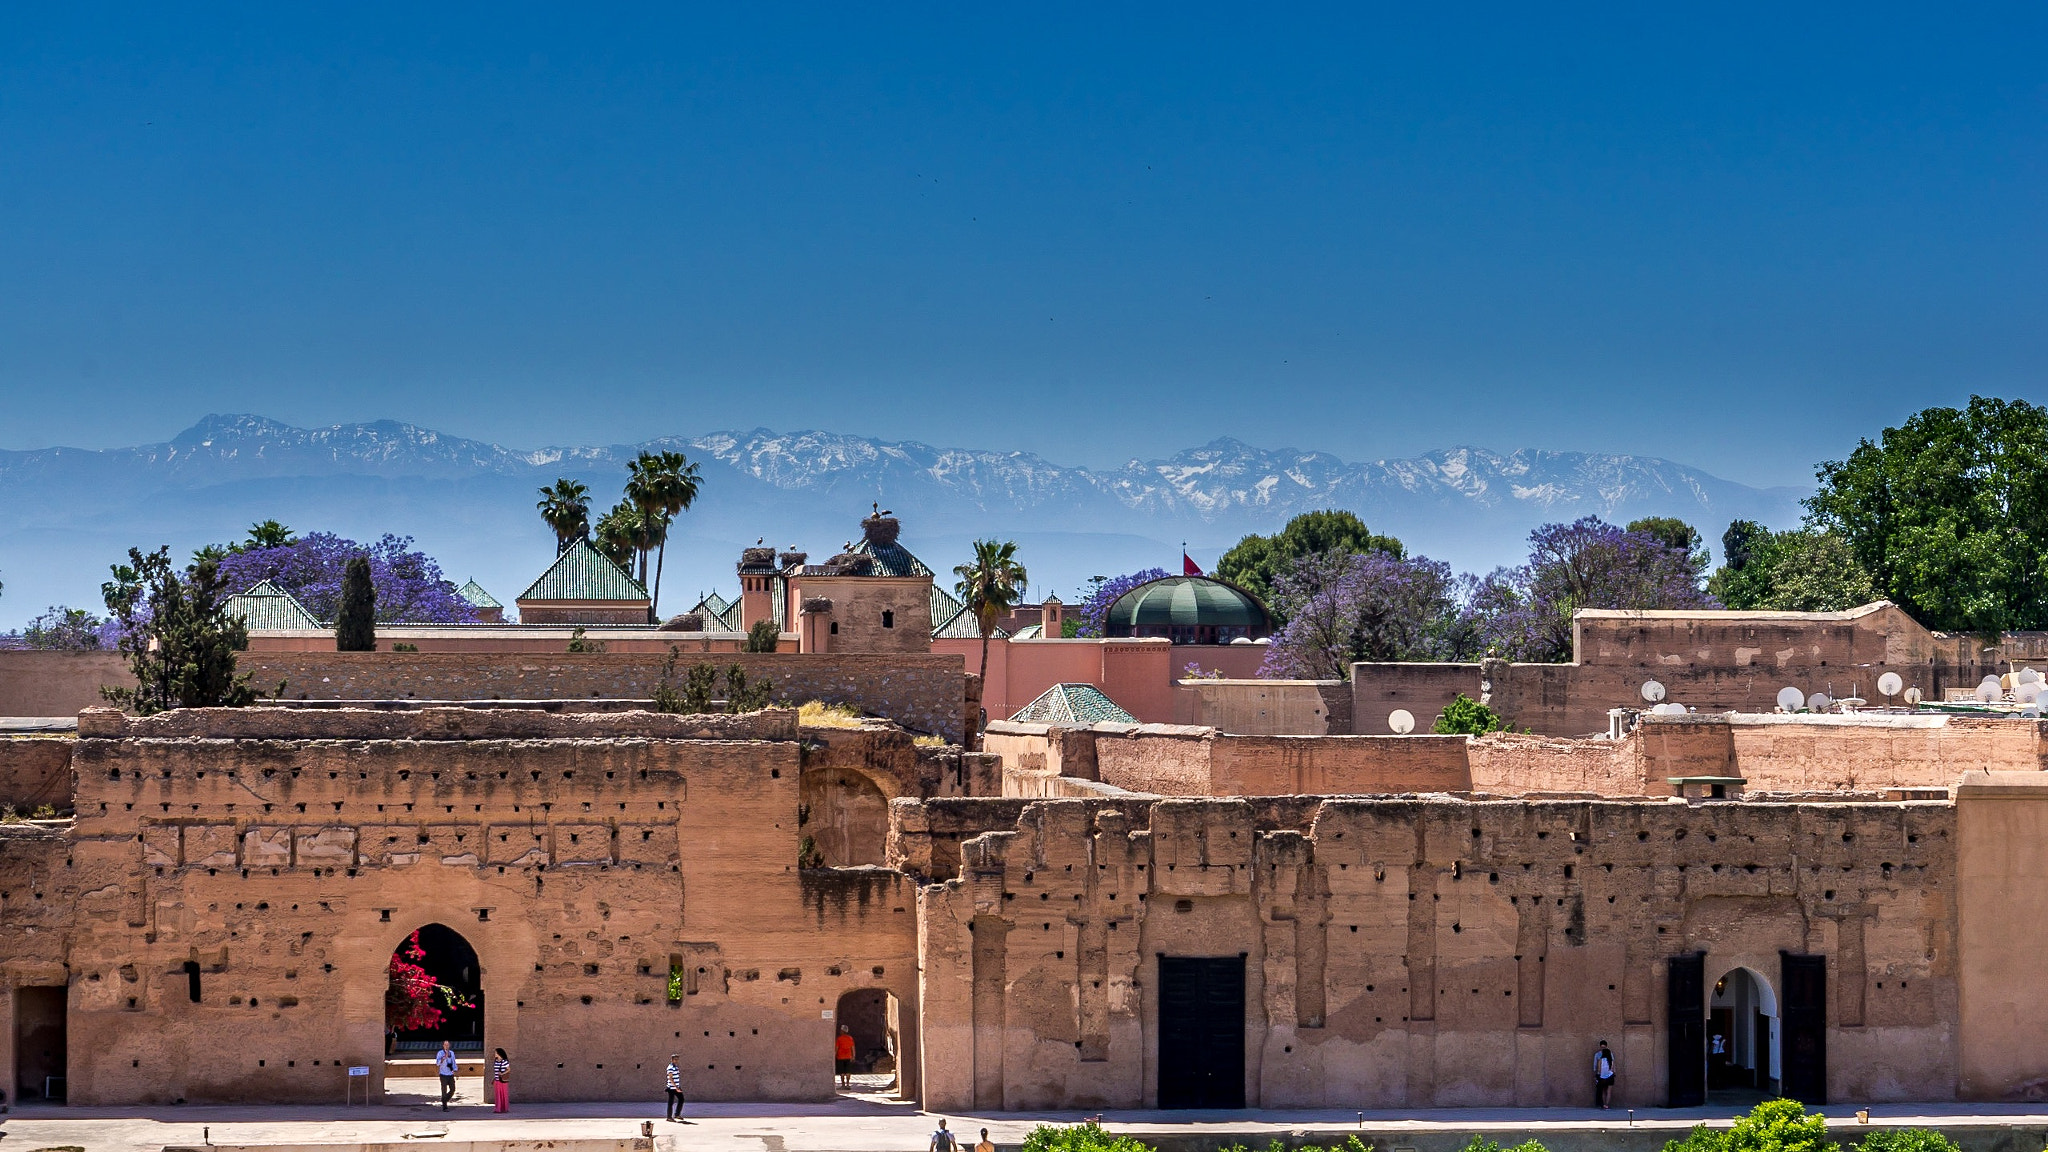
(1773, 1126)
(1088, 1137)
(762, 636)
(1907, 1140)
(1464, 716)
(579, 644)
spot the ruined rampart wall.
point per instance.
(287, 870)
(35, 771)
(1428, 953)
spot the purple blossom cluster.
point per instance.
(1525, 613)
(1342, 608)
(410, 587)
(1095, 610)
(65, 630)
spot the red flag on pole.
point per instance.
(1188, 567)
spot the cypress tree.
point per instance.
(355, 624)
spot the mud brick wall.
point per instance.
(35, 771)
(1512, 764)
(1428, 952)
(579, 868)
(919, 691)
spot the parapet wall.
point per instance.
(1868, 752)
(35, 771)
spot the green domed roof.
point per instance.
(1187, 602)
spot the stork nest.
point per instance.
(685, 622)
(880, 531)
(757, 558)
(816, 605)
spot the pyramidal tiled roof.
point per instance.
(1073, 704)
(477, 597)
(267, 607)
(718, 610)
(581, 572)
(952, 621)
(891, 559)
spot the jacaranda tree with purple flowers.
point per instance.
(1344, 607)
(1095, 609)
(409, 584)
(1525, 613)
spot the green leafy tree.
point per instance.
(661, 485)
(565, 508)
(1255, 562)
(990, 585)
(179, 640)
(741, 696)
(763, 636)
(1739, 541)
(1675, 533)
(1948, 513)
(355, 622)
(1464, 716)
(1800, 570)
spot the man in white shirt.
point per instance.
(1603, 1075)
(444, 1063)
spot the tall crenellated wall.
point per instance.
(1425, 952)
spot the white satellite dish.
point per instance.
(1652, 691)
(1819, 701)
(1401, 721)
(1912, 696)
(1989, 690)
(1889, 683)
(2029, 676)
(1668, 709)
(1791, 699)
(2029, 691)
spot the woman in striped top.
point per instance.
(501, 1081)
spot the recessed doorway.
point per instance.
(1201, 1031)
(1742, 1040)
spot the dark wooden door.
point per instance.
(1803, 1028)
(1201, 1031)
(1685, 1018)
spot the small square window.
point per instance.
(888, 619)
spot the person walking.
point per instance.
(842, 1053)
(942, 1140)
(445, 1064)
(986, 1144)
(501, 1082)
(673, 1078)
(1603, 1075)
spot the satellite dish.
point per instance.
(1889, 683)
(1819, 701)
(1989, 690)
(1912, 696)
(1791, 699)
(1653, 691)
(2029, 676)
(1401, 721)
(2029, 691)
(1668, 709)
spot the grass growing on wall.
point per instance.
(818, 714)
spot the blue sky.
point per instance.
(1737, 236)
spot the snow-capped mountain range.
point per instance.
(65, 513)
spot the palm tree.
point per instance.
(565, 505)
(269, 534)
(621, 533)
(661, 486)
(990, 585)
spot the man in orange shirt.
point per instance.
(843, 1051)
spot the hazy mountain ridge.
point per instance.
(67, 512)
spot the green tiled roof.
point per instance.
(582, 573)
(1073, 704)
(719, 611)
(477, 597)
(268, 608)
(951, 620)
(892, 560)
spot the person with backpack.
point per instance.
(1603, 1075)
(942, 1140)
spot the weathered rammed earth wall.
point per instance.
(1709, 661)
(287, 852)
(919, 691)
(1430, 953)
(34, 771)
(1773, 753)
